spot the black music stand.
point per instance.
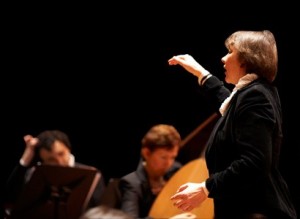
(56, 192)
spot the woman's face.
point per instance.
(160, 160)
(234, 70)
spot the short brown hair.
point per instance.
(257, 51)
(161, 136)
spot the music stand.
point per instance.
(56, 192)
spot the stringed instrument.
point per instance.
(193, 171)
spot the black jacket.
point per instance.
(137, 197)
(243, 151)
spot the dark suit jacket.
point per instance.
(137, 197)
(243, 152)
(20, 175)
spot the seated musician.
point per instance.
(139, 189)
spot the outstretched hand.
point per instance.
(189, 196)
(189, 64)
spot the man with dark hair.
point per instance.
(50, 147)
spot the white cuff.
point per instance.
(22, 163)
(203, 185)
(202, 79)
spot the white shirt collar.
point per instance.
(244, 81)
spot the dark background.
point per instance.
(100, 74)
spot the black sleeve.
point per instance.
(15, 184)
